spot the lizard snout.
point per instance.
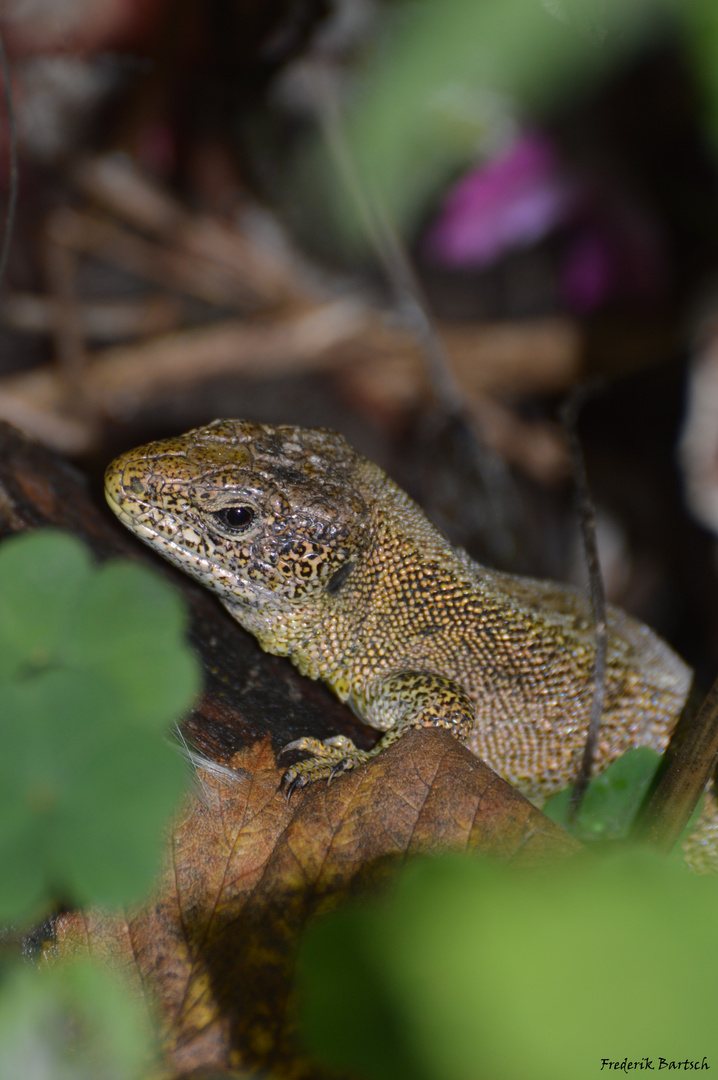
(128, 483)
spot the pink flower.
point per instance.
(511, 201)
(610, 248)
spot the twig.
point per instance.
(414, 310)
(587, 518)
(159, 263)
(241, 267)
(383, 237)
(683, 775)
(46, 424)
(101, 321)
(125, 376)
(333, 336)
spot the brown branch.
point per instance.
(687, 767)
(378, 363)
(269, 278)
(100, 320)
(148, 260)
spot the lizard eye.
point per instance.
(235, 518)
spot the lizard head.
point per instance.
(265, 516)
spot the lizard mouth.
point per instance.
(149, 523)
(117, 506)
(129, 510)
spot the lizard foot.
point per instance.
(329, 758)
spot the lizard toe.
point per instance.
(329, 759)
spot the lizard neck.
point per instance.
(334, 636)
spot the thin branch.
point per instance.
(388, 246)
(687, 766)
(587, 519)
(414, 310)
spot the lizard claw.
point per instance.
(297, 744)
(294, 784)
(329, 759)
(341, 767)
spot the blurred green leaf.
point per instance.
(527, 53)
(472, 970)
(611, 800)
(75, 1021)
(699, 19)
(128, 620)
(42, 575)
(87, 776)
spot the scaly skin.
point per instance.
(318, 553)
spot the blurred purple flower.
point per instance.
(612, 249)
(512, 201)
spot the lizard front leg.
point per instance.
(404, 700)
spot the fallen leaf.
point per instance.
(216, 944)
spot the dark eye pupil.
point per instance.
(236, 517)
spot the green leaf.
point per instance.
(611, 800)
(23, 887)
(88, 779)
(700, 27)
(42, 575)
(132, 624)
(134, 789)
(479, 971)
(511, 58)
(75, 1021)
(88, 789)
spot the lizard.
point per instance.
(317, 552)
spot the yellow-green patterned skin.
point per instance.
(326, 560)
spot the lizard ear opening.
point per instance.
(339, 577)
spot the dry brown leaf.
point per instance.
(215, 946)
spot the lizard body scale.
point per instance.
(320, 555)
